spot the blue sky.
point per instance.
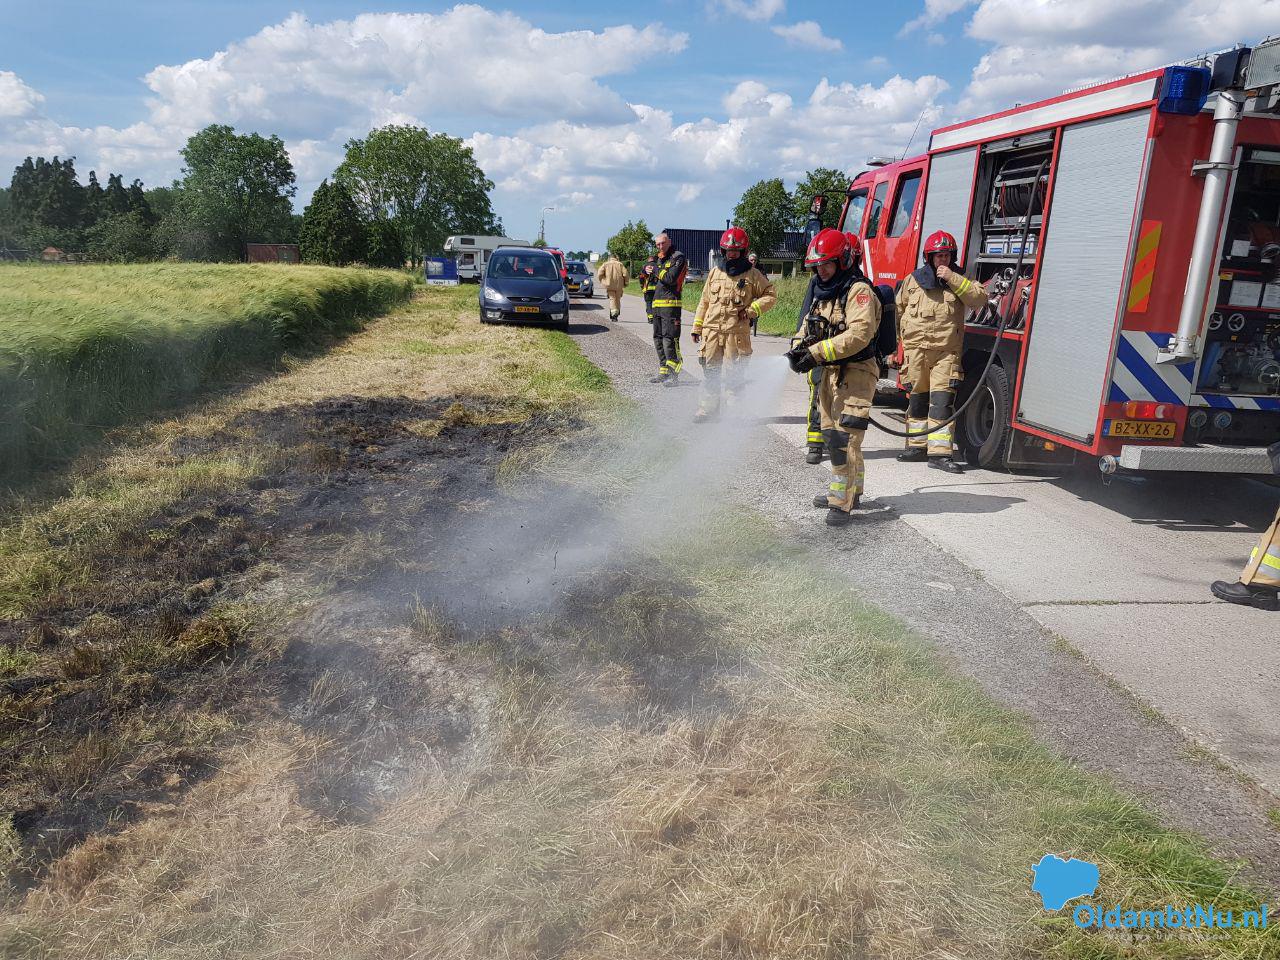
(667, 114)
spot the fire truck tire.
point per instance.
(984, 428)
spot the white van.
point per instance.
(471, 252)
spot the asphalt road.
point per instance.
(998, 569)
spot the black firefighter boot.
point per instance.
(913, 455)
(1264, 598)
(838, 518)
(944, 463)
(814, 453)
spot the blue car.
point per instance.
(523, 285)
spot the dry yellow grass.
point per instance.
(835, 793)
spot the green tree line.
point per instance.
(394, 198)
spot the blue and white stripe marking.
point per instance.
(1236, 403)
(1137, 376)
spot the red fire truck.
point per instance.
(1144, 312)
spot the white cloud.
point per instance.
(16, 98)
(762, 134)
(318, 84)
(752, 9)
(301, 79)
(1045, 47)
(935, 11)
(807, 33)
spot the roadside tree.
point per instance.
(332, 231)
(632, 243)
(425, 186)
(236, 189)
(765, 212)
(48, 202)
(123, 238)
(383, 245)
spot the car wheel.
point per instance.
(563, 326)
(984, 427)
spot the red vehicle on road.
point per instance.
(1130, 234)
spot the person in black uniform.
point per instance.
(668, 289)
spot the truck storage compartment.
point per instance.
(1013, 184)
(1242, 335)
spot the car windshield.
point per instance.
(577, 266)
(525, 266)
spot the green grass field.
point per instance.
(781, 320)
(87, 348)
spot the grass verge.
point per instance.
(716, 751)
(86, 348)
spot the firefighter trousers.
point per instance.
(844, 405)
(648, 305)
(666, 339)
(723, 352)
(615, 302)
(1263, 568)
(934, 376)
(814, 434)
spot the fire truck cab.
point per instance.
(1128, 234)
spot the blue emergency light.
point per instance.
(1184, 90)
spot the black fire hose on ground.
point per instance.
(995, 340)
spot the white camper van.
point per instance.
(471, 252)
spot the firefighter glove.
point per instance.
(800, 359)
(697, 335)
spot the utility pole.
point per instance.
(542, 226)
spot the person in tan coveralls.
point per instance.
(613, 276)
(845, 316)
(931, 307)
(735, 295)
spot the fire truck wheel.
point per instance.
(984, 427)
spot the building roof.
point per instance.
(700, 246)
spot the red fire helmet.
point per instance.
(829, 244)
(939, 242)
(735, 238)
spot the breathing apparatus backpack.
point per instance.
(885, 342)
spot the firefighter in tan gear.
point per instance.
(839, 334)
(735, 295)
(815, 447)
(613, 276)
(931, 308)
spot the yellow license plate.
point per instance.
(528, 309)
(1140, 429)
(573, 286)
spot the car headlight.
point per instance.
(491, 294)
(558, 296)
